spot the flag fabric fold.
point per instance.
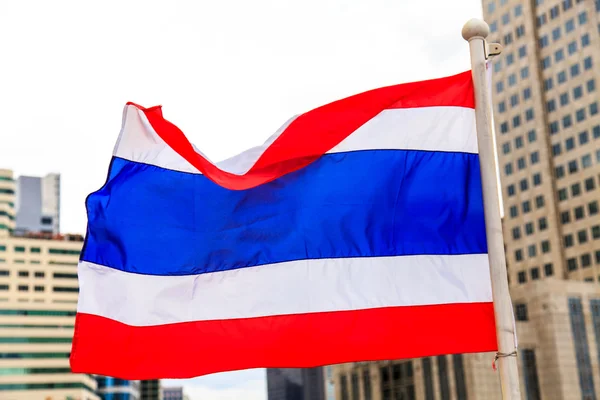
(355, 233)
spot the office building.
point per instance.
(547, 123)
(173, 393)
(38, 301)
(150, 390)
(295, 384)
(38, 203)
(117, 389)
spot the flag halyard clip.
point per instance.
(502, 355)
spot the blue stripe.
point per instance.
(156, 221)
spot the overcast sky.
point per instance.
(228, 73)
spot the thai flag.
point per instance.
(355, 233)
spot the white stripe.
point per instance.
(450, 129)
(296, 287)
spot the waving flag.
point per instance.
(355, 233)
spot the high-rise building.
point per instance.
(547, 125)
(117, 389)
(547, 121)
(173, 393)
(38, 301)
(295, 384)
(150, 390)
(38, 203)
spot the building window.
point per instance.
(504, 127)
(512, 80)
(572, 47)
(590, 184)
(544, 42)
(562, 194)
(546, 62)
(522, 277)
(521, 163)
(539, 201)
(562, 77)
(551, 105)
(527, 93)
(526, 206)
(23, 274)
(344, 387)
(530, 375)
(521, 312)
(542, 224)
(514, 211)
(556, 33)
(582, 236)
(587, 63)
(548, 84)
(574, 70)
(567, 4)
(567, 121)
(531, 251)
(594, 108)
(443, 378)
(499, 87)
(520, 31)
(586, 161)
(572, 264)
(428, 379)
(591, 85)
(62, 289)
(583, 137)
(531, 136)
(522, 51)
(511, 190)
(570, 144)
(506, 148)
(508, 170)
(516, 121)
(519, 255)
(524, 72)
(570, 25)
(579, 214)
(548, 269)
(505, 19)
(554, 127)
(568, 239)
(39, 288)
(582, 354)
(580, 115)
(585, 40)
(501, 107)
(593, 208)
(586, 260)
(596, 232)
(546, 246)
(572, 166)
(582, 18)
(354, 383)
(529, 114)
(510, 58)
(529, 228)
(535, 273)
(577, 92)
(19, 249)
(560, 171)
(537, 179)
(575, 190)
(459, 377)
(367, 384)
(23, 288)
(535, 157)
(516, 233)
(559, 55)
(524, 185)
(556, 149)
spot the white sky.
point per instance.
(228, 73)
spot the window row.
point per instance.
(568, 120)
(524, 184)
(526, 206)
(519, 141)
(575, 70)
(517, 120)
(38, 250)
(542, 19)
(535, 274)
(532, 250)
(582, 236)
(552, 105)
(573, 165)
(583, 261)
(521, 164)
(529, 228)
(563, 193)
(584, 138)
(39, 288)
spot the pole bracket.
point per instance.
(494, 49)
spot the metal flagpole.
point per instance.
(475, 31)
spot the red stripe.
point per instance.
(314, 133)
(106, 347)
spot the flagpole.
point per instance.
(475, 31)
